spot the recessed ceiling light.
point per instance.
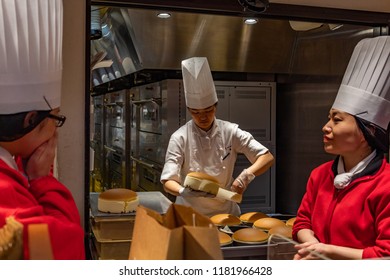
(164, 15)
(250, 21)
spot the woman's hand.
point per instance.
(41, 160)
(309, 250)
(312, 251)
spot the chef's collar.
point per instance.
(372, 168)
(8, 158)
(209, 133)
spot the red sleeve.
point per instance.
(62, 216)
(304, 214)
(56, 208)
(55, 198)
(380, 205)
(43, 200)
(303, 220)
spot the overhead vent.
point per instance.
(258, 6)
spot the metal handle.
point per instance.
(156, 101)
(142, 162)
(113, 104)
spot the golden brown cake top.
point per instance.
(224, 238)
(250, 235)
(282, 230)
(225, 220)
(118, 194)
(290, 222)
(203, 176)
(267, 223)
(251, 217)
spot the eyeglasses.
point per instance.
(60, 119)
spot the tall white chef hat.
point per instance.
(199, 88)
(30, 55)
(365, 89)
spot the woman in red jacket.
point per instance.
(30, 94)
(345, 212)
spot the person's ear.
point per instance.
(30, 118)
(372, 130)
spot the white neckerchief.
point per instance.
(344, 178)
(8, 158)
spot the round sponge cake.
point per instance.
(282, 230)
(251, 217)
(290, 222)
(201, 182)
(118, 200)
(225, 220)
(267, 223)
(250, 236)
(202, 176)
(224, 238)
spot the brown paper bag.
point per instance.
(180, 234)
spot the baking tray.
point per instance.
(153, 200)
(245, 252)
(276, 249)
(109, 249)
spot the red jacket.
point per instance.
(357, 216)
(44, 200)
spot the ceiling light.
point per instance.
(250, 21)
(164, 15)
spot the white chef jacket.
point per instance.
(214, 152)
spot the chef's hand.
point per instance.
(188, 192)
(242, 181)
(41, 160)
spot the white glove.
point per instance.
(188, 192)
(242, 181)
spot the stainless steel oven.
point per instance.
(116, 169)
(114, 141)
(158, 110)
(115, 120)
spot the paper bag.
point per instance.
(180, 234)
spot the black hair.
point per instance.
(12, 126)
(376, 137)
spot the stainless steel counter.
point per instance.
(152, 200)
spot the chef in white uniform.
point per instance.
(209, 145)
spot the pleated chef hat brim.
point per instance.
(365, 88)
(30, 55)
